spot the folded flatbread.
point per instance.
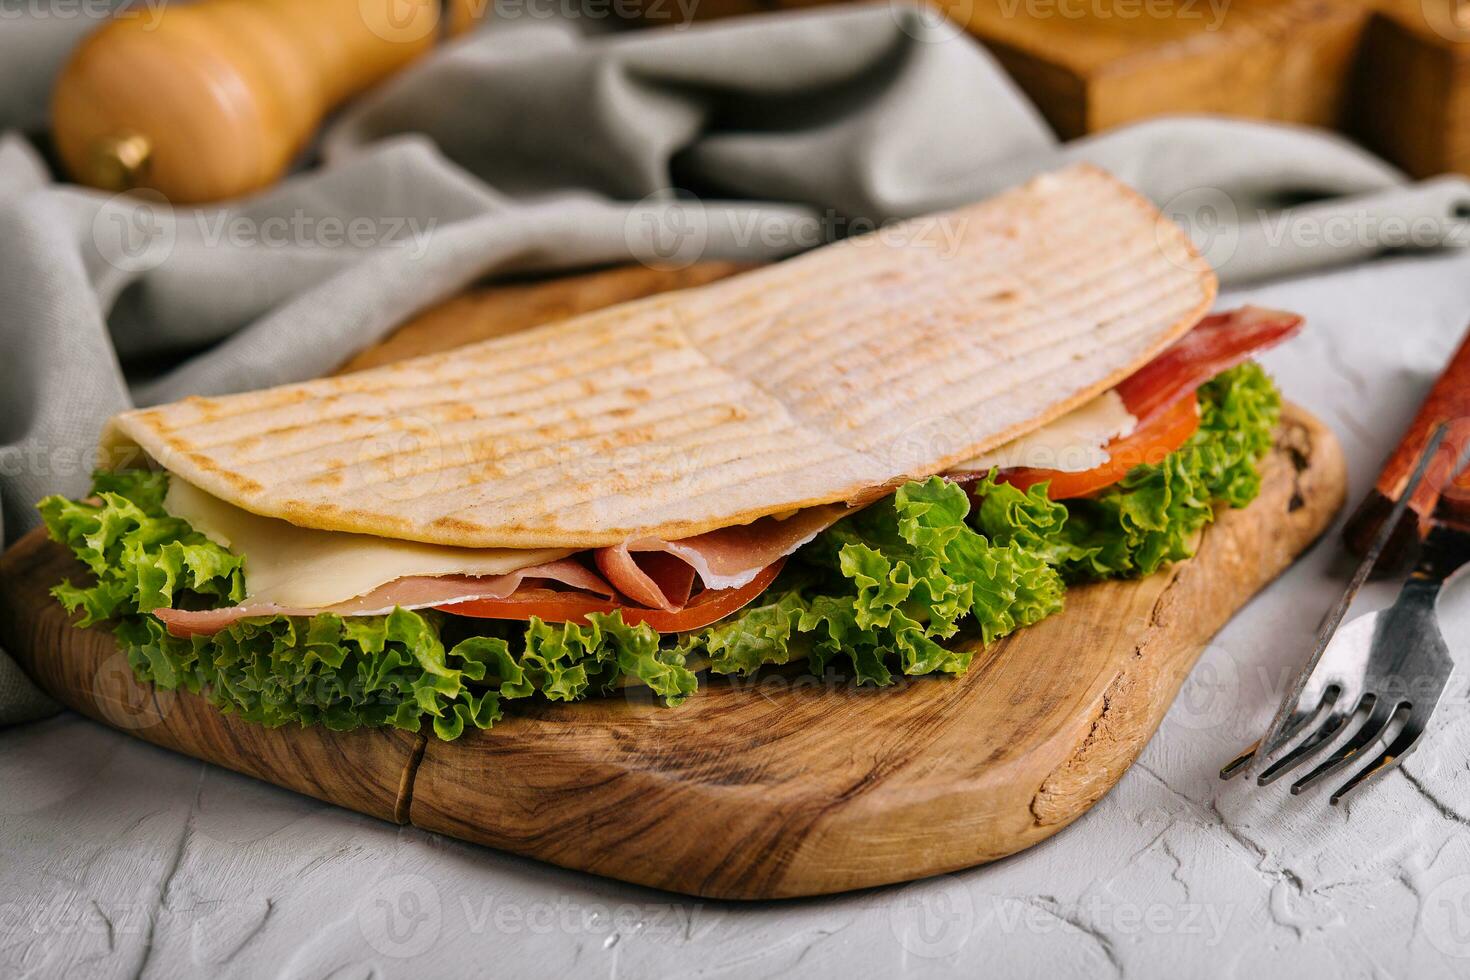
(880, 359)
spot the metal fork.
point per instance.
(1385, 667)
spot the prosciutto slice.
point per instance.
(416, 592)
(660, 574)
(1218, 342)
(650, 574)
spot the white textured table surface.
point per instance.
(119, 859)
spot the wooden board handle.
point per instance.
(1442, 488)
(215, 99)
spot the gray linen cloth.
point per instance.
(532, 145)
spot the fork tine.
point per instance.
(1402, 745)
(1298, 722)
(1324, 734)
(1368, 733)
(1232, 768)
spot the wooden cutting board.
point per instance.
(780, 786)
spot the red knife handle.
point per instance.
(1452, 479)
(1442, 487)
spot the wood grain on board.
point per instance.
(1411, 95)
(1091, 64)
(777, 786)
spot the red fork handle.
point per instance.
(1443, 494)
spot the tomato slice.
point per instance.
(560, 607)
(1217, 343)
(1149, 443)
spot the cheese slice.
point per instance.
(298, 567)
(1074, 443)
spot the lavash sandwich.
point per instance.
(870, 458)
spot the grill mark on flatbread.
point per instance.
(550, 479)
(1090, 221)
(1013, 380)
(525, 416)
(916, 407)
(434, 388)
(1051, 318)
(784, 463)
(807, 382)
(568, 388)
(581, 449)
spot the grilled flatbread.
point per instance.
(880, 359)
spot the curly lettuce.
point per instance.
(141, 558)
(322, 670)
(343, 673)
(886, 587)
(1154, 514)
(889, 590)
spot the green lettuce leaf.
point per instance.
(142, 558)
(566, 660)
(322, 670)
(886, 587)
